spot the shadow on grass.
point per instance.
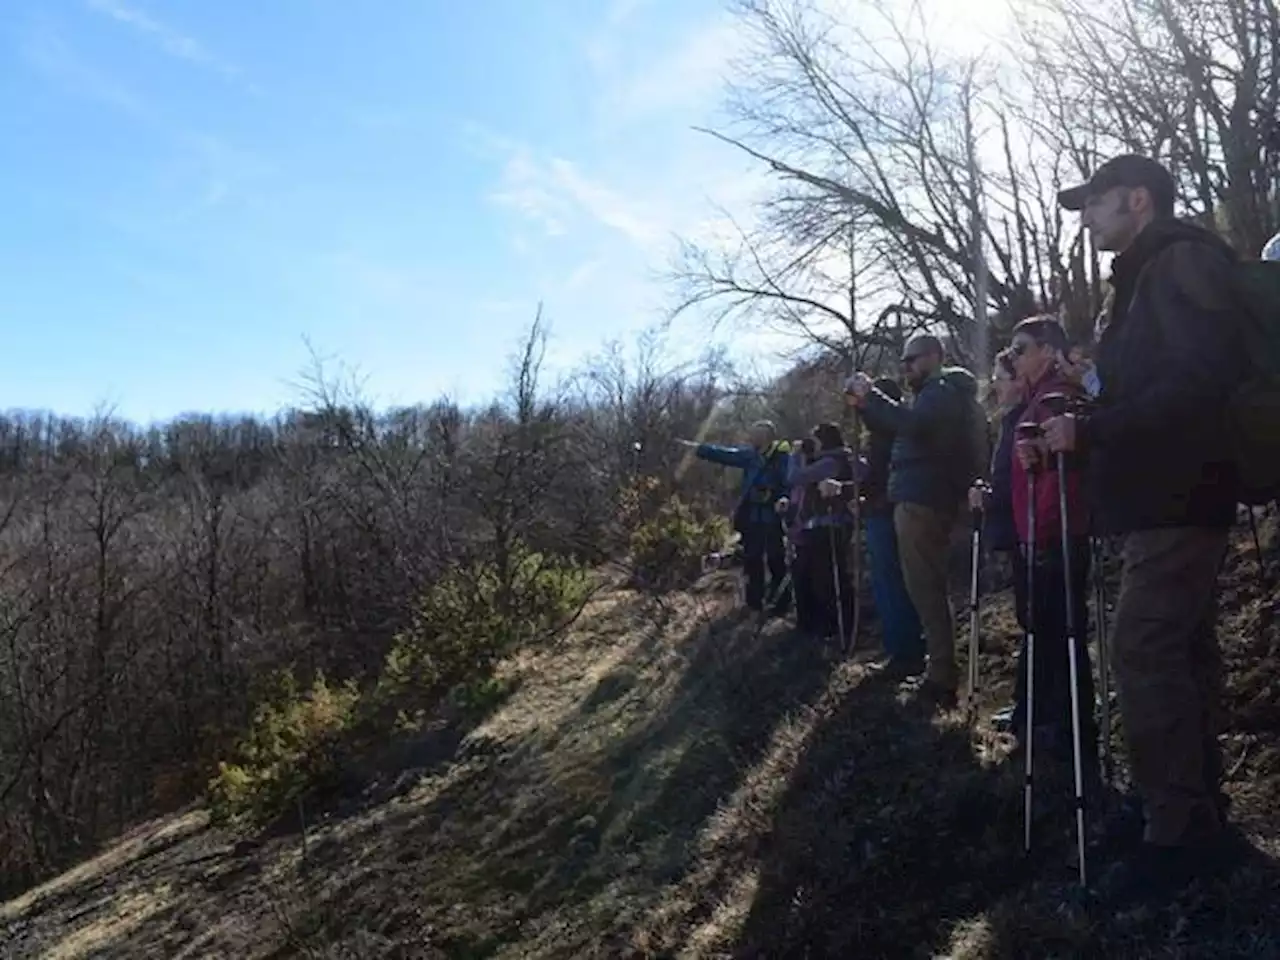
(563, 840)
(676, 782)
(888, 829)
(1233, 918)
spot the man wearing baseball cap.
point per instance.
(1162, 477)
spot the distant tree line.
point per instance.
(152, 579)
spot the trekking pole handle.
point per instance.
(1059, 403)
(1056, 403)
(975, 513)
(1029, 430)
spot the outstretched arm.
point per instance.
(932, 413)
(821, 469)
(739, 457)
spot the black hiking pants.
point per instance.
(1052, 708)
(763, 547)
(821, 577)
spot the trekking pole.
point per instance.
(1104, 662)
(855, 436)
(1029, 431)
(1264, 581)
(975, 564)
(1058, 404)
(838, 593)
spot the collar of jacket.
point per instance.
(1155, 237)
(936, 375)
(1052, 377)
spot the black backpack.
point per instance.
(971, 448)
(1253, 414)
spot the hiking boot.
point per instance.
(938, 696)
(1002, 720)
(1120, 833)
(903, 668)
(867, 654)
(1152, 874)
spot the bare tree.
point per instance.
(890, 157)
(1195, 84)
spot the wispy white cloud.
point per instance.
(636, 178)
(582, 274)
(687, 77)
(48, 52)
(222, 172)
(695, 195)
(554, 192)
(604, 204)
(171, 40)
(525, 189)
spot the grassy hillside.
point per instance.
(667, 782)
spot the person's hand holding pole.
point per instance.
(830, 488)
(1060, 433)
(978, 494)
(1029, 452)
(856, 388)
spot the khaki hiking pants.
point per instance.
(924, 545)
(1169, 676)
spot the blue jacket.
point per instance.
(764, 478)
(931, 440)
(999, 529)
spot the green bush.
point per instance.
(475, 615)
(462, 625)
(291, 749)
(667, 549)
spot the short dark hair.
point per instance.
(1044, 330)
(927, 343)
(828, 436)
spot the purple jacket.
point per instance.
(808, 508)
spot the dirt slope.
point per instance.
(669, 783)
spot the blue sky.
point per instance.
(189, 189)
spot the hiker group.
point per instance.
(1144, 441)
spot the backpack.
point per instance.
(972, 447)
(763, 487)
(973, 459)
(1253, 412)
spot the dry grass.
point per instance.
(668, 782)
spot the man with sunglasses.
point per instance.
(1163, 478)
(930, 471)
